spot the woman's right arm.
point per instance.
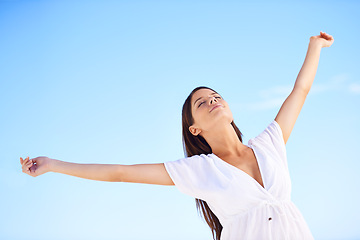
(138, 173)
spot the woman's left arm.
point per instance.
(291, 107)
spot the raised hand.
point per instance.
(36, 166)
(324, 39)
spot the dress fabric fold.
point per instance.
(246, 210)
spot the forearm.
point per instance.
(99, 172)
(307, 73)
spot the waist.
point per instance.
(263, 208)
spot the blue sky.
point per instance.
(104, 82)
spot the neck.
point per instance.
(224, 141)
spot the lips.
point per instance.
(216, 106)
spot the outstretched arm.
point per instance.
(139, 173)
(291, 107)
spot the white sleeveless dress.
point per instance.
(245, 209)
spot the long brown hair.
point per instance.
(196, 145)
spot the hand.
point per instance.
(324, 39)
(36, 166)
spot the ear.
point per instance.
(194, 131)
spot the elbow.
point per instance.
(302, 90)
(117, 175)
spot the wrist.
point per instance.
(316, 44)
(53, 165)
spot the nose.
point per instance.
(213, 99)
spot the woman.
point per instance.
(243, 191)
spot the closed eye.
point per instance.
(200, 104)
(204, 101)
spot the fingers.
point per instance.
(27, 160)
(26, 165)
(326, 36)
(25, 169)
(22, 160)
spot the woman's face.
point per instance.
(208, 110)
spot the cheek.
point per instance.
(200, 115)
(227, 111)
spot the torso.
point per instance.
(248, 164)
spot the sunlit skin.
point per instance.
(214, 126)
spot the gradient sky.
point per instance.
(104, 82)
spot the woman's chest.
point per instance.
(247, 164)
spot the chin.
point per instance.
(224, 117)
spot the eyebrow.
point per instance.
(201, 97)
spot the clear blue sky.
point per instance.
(104, 82)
